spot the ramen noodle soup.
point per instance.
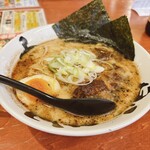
(75, 70)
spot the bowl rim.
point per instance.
(70, 131)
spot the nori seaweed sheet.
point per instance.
(89, 17)
(119, 32)
(91, 24)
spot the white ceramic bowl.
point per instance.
(10, 54)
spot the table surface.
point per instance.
(15, 135)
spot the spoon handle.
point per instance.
(79, 106)
(31, 90)
(35, 92)
(26, 88)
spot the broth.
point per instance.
(118, 82)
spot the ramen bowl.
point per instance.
(9, 56)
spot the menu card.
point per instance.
(14, 22)
(18, 16)
(7, 4)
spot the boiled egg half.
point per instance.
(41, 82)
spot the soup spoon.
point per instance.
(77, 106)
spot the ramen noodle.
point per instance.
(76, 70)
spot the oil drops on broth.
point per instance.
(108, 75)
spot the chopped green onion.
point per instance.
(75, 66)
